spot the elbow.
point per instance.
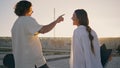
(42, 31)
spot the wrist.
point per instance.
(56, 21)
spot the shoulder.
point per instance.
(81, 30)
(78, 32)
(30, 18)
(94, 33)
(26, 18)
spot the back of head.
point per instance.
(22, 7)
(82, 16)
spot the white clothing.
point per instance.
(81, 54)
(26, 45)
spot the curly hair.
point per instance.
(22, 7)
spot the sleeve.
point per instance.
(78, 55)
(32, 27)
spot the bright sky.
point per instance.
(104, 16)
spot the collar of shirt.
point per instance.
(81, 27)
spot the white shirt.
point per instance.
(26, 45)
(81, 54)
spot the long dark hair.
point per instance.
(83, 20)
(22, 7)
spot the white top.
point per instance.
(81, 54)
(26, 45)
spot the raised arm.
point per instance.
(50, 26)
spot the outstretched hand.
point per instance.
(60, 18)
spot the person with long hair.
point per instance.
(26, 46)
(85, 48)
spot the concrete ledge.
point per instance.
(56, 57)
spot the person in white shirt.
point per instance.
(85, 48)
(27, 49)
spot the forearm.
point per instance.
(48, 27)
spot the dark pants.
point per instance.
(43, 66)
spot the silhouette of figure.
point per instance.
(27, 48)
(85, 49)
